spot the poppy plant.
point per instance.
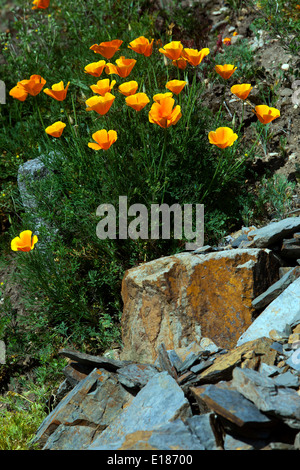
(100, 104)
(163, 114)
(241, 91)
(40, 4)
(195, 57)
(172, 50)
(58, 92)
(103, 86)
(123, 67)
(160, 96)
(95, 68)
(128, 88)
(227, 41)
(137, 101)
(266, 114)
(34, 85)
(19, 93)
(25, 242)
(181, 63)
(225, 71)
(223, 137)
(107, 49)
(142, 46)
(56, 129)
(176, 86)
(103, 139)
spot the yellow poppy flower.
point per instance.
(25, 242)
(103, 139)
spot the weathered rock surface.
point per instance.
(192, 391)
(159, 402)
(179, 299)
(271, 233)
(280, 312)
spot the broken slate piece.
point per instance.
(280, 402)
(232, 405)
(287, 379)
(161, 400)
(93, 361)
(275, 289)
(280, 312)
(266, 236)
(290, 248)
(201, 426)
(136, 375)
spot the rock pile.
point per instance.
(194, 391)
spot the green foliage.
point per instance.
(281, 19)
(274, 196)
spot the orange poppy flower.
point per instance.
(176, 86)
(41, 4)
(19, 93)
(128, 88)
(56, 129)
(104, 139)
(195, 57)
(25, 242)
(100, 104)
(181, 63)
(241, 91)
(227, 41)
(172, 50)
(266, 114)
(58, 92)
(142, 45)
(137, 101)
(123, 67)
(160, 96)
(225, 71)
(223, 137)
(107, 49)
(163, 113)
(95, 68)
(103, 86)
(34, 85)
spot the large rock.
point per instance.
(179, 299)
(278, 314)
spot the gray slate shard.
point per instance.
(200, 425)
(136, 375)
(287, 379)
(275, 289)
(280, 402)
(94, 402)
(271, 233)
(173, 436)
(93, 361)
(159, 402)
(280, 312)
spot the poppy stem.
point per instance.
(162, 154)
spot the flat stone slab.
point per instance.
(263, 391)
(266, 236)
(279, 312)
(232, 405)
(161, 400)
